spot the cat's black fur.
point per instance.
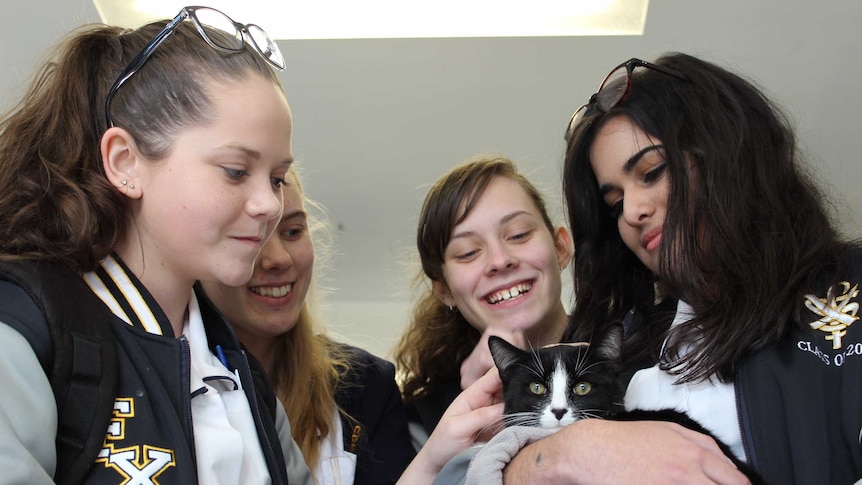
(592, 391)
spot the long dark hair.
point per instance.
(55, 201)
(747, 233)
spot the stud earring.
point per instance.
(124, 182)
(131, 186)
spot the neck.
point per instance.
(170, 291)
(261, 347)
(550, 331)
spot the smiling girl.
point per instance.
(492, 259)
(343, 403)
(138, 163)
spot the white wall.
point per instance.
(372, 325)
(27, 30)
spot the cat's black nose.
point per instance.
(559, 413)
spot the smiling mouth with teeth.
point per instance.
(509, 294)
(271, 291)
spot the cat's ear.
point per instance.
(609, 346)
(504, 353)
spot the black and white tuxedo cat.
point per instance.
(557, 385)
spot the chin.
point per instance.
(523, 321)
(236, 278)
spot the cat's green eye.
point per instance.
(583, 388)
(537, 388)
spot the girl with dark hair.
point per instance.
(491, 261)
(697, 226)
(138, 163)
(685, 190)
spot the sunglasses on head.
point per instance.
(614, 89)
(217, 29)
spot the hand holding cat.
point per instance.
(475, 409)
(479, 361)
(598, 451)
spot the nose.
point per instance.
(265, 202)
(273, 255)
(500, 259)
(559, 413)
(637, 208)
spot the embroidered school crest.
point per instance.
(836, 312)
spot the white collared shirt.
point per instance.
(710, 402)
(336, 466)
(226, 443)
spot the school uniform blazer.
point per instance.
(375, 424)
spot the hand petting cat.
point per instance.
(472, 412)
(479, 361)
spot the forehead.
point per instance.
(616, 142)
(292, 193)
(501, 197)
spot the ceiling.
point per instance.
(377, 121)
(441, 18)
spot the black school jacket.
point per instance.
(375, 428)
(799, 401)
(150, 433)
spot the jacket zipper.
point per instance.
(187, 400)
(250, 392)
(742, 418)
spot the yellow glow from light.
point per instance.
(351, 19)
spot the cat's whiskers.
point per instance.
(592, 413)
(492, 428)
(537, 360)
(521, 419)
(581, 359)
(532, 370)
(587, 368)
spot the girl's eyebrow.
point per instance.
(630, 165)
(294, 214)
(254, 154)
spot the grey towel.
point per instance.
(486, 468)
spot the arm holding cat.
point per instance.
(476, 408)
(598, 451)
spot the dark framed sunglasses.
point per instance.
(614, 90)
(232, 37)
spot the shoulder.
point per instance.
(854, 261)
(19, 310)
(366, 383)
(363, 365)
(428, 409)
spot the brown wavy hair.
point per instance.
(437, 339)
(55, 201)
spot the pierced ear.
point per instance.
(119, 160)
(504, 353)
(563, 243)
(442, 292)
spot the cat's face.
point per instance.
(555, 386)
